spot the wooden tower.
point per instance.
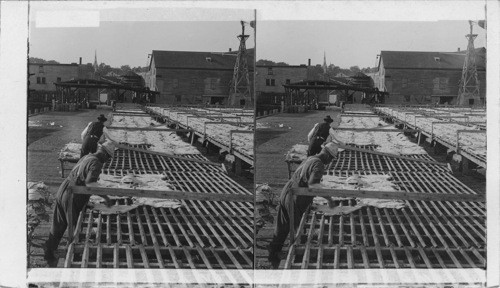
(239, 91)
(468, 91)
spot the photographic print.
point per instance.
(371, 145)
(140, 138)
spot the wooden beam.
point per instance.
(376, 130)
(149, 129)
(346, 147)
(399, 195)
(161, 194)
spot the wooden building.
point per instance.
(43, 76)
(186, 77)
(270, 80)
(426, 77)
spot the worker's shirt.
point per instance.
(89, 166)
(322, 131)
(95, 129)
(311, 167)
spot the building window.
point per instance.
(407, 98)
(287, 81)
(270, 82)
(270, 71)
(175, 83)
(421, 84)
(193, 82)
(58, 79)
(40, 69)
(404, 82)
(43, 80)
(178, 98)
(38, 80)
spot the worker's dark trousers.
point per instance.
(282, 227)
(60, 218)
(315, 146)
(89, 145)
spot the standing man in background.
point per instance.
(318, 136)
(91, 135)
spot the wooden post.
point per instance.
(70, 215)
(291, 216)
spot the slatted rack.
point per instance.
(470, 154)
(213, 140)
(129, 160)
(199, 234)
(434, 234)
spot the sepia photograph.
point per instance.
(140, 140)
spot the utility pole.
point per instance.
(469, 83)
(239, 92)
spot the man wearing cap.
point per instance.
(85, 173)
(91, 136)
(318, 136)
(308, 174)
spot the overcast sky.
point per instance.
(350, 43)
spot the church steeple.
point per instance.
(324, 62)
(96, 66)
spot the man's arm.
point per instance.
(91, 181)
(315, 182)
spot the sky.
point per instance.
(357, 43)
(126, 36)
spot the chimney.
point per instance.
(230, 49)
(80, 60)
(309, 62)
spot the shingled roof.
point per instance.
(198, 60)
(430, 60)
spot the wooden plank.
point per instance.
(377, 130)
(144, 240)
(393, 228)
(130, 257)
(69, 255)
(116, 256)
(144, 256)
(162, 194)
(394, 257)
(424, 257)
(386, 195)
(141, 129)
(171, 228)
(99, 256)
(319, 259)
(158, 256)
(290, 257)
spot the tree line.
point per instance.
(87, 70)
(316, 72)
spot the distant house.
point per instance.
(270, 79)
(426, 77)
(43, 76)
(186, 77)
